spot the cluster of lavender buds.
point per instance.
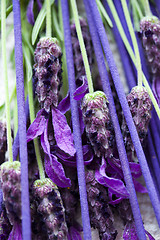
(101, 216)
(140, 106)
(47, 72)
(51, 208)
(150, 29)
(89, 148)
(10, 175)
(98, 124)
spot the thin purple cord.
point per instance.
(75, 122)
(26, 222)
(119, 88)
(1, 200)
(15, 147)
(118, 135)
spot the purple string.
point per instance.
(1, 200)
(118, 135)
(75, 123)
(15, 147)
(26, 223)
(119, 88)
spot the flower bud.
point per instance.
(140, 106)
(10, 174)
(150, 29)
(101, 216)
(49, 205)
(98, 124)
(47, 72)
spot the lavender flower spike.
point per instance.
(26, 223)
(139, 151)
(75, 122)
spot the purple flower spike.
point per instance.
(75, 123)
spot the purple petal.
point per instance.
(149, 235)
(139, 187)
(130, 232)
(55, 171)
(16, 233)
(74, 234)
(115, 186)
(37, 127)
(64, 104)
(156, 88)
(39, 4)
(30, 14)
(62, 132)
(82, 126)
(44, 139)
(71, 160)
(82, 90)
(135, 169)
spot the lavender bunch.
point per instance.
(77, 56)
(140, 106)
(3, 141)
(10, 176)
(47, 72)
(150, 29)
(5, 226)
(101, 216)
(49, 205)
(98, 124)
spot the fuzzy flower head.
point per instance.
(150, 29)
(47, 72)
(98, 123)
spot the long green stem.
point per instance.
(31, 110)
(131, 53)
(48, 19)
(147, 7)
(82, 46)
(4, 59)
(134, 41)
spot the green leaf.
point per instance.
(8, 11)
(38, 23)
(104, 13)
(2, 110)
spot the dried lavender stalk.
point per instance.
(50, 206)
(10, 175)
(47, 72)
(98, 123)
(140, 106)
(150, 29)
(3, 141)
(77, 56)
(101, 216)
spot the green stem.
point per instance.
(134, 41)
(134, 2)
(147, 7)
(4, 59)
(131, 53)
(56, 25)
(82, 46)
(15, 115)
(48, 19)
(31, 110)
(104, 13)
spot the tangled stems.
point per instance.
(26, 223)
(7, 104)
(75, 122)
